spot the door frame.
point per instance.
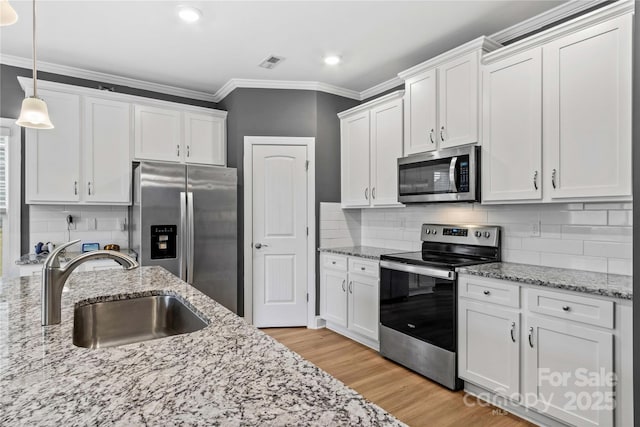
(310, 143)
(11, 233)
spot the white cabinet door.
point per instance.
(587, 111)
(386, 148)
(458, 101)
(53, 155)
(489, 347)
(363, 305)
(355, 157)
(420, 120)
(333, 296)
(158, 134)
(204, 139)
(558, 358)
(106, 151)
(512, 128)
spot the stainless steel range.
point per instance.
(418, 297)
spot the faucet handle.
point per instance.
(52, 259)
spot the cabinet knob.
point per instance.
(566, 308)
(486, 292)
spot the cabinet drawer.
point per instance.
(335, 262)
(490, 290)
(360, 266)
(571, 307)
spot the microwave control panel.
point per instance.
(163, 241)
(463, 179)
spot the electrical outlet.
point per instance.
(92, 224)
(535, 229)
(121, 224)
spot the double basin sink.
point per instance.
(126, 321)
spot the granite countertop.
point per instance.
(228, 373)
(610, 285)
(369, 252)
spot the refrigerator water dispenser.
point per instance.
(163, 241)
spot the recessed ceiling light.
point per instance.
(189, 14)
(332, 60)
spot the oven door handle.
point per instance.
(425, 271)
(453, 187)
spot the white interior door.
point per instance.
(279, 235)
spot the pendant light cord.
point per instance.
(35, 71)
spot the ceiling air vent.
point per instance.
(271, 61)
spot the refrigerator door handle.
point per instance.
(183, 234)
(190, 239)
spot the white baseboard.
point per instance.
(318, 323)
(375, 345)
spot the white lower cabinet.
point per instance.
(349, 297)
(556, 354)
(489, 352)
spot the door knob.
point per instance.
(261, 245)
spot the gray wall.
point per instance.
(11, 96)
(277, 112)
(636, 216)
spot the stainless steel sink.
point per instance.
(113, 323)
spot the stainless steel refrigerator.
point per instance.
(184, 218)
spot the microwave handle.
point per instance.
(453, 175)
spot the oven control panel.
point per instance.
(479, 235)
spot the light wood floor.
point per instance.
(410, 397)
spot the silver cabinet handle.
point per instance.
(188, 151)
(373, 192)
(89, 187)
(75, 188)
(351, 286)
(566, 308)
(512, 331)
(343, 283)
(553, 178)
(362, 268)
(487, 292)
(442, 134)
(531, 337)
(261, 245)
(366, 193)
(431, 136)
(333, 262)
(535, 180)
(178, 150)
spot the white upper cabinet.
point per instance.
(386, 148)
(158, 134)
(107, 151)
(512, 128)
(53, 155)
(587, 111)
(565, 93)
(205, 139)
(442, 99)
(355, 155)
(421, 120)
(370, 145)
(458, 101)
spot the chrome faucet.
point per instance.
(54, 277)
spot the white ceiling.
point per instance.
(145, 40)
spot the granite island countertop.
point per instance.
(369, 252)
(228, 373)
(588, 282)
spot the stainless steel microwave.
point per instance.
(450, 175)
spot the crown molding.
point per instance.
(481, 43)
(233, 84)
(80, 73)
(379, 88)
(545, 18)
(605, 13)
(373, 103)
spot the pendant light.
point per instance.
(8, 15)
(34, 113)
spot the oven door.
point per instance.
(441, 176)
(419, 302)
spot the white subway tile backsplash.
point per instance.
(587, 236)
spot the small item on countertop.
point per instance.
(111, 247)
(88, 247)
(50, 247)
(38, 248)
